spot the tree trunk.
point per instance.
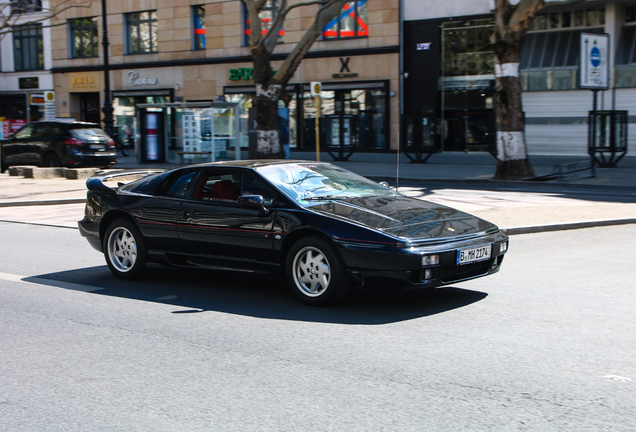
(268, 125)
(267, 95)
(512, 156)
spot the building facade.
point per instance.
(25, 64)
(449, 76)
(197, 51)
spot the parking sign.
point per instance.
(594, 64)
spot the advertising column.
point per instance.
(152, 144)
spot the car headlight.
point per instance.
(430, 260)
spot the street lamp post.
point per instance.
(107, 109)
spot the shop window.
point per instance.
(267, 16)
(28, 49)
(630, 14)
(198, 27)
(141, 32)
(549, 60)
(351, 22)
(580, 18)
(625, 72)
(83, 37)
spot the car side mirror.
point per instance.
(385, 184)
(255, 202)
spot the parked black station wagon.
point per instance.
(323, 228)
(56, 143)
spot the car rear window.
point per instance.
(146, 185)
(84, 134)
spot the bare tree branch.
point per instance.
(19, 9)
(330, 9)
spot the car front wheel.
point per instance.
(124, 249)
(315, 273)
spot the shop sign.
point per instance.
(134, 79)
(17, 124)
(241, 74)
(82, 82)
(344, 70)
(27, 83)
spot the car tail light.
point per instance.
(111, 143)
(73, 141)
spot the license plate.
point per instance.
(96, 147)
(467, 256)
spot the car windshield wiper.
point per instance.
(325, 198)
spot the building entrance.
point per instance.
(350, 119)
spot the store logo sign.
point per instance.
(241, 74)
(424, 46)
(135, 80)
(80, 81)
(344, 70)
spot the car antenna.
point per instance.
(397, 165)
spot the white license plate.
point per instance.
(467, 256)
(96, 147)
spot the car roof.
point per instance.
(73, 123)
(257, 163)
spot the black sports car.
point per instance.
(325, 229)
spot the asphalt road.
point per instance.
(545, 345)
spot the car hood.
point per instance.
(404, 217)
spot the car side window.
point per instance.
(25, 132)
(44, 130)
(219, 187)
(253, 186)
(177, 187)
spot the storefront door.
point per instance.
(351, 119)
(90, 107)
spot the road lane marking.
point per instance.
(49, 282)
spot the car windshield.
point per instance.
(87, 134)
(312, 182)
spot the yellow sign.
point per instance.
(316, 88)
(49, 96)
(84, 81)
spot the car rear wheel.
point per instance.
(315, 272)
(124, 249)
(51, 160)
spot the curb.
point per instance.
(566, 226)
(43, 202)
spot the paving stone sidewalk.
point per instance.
(60, 201)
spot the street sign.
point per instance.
(594, 64)
(315, 88)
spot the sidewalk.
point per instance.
(542, 206)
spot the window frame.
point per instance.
(138, 23)
(24, 43)
(91, 29)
